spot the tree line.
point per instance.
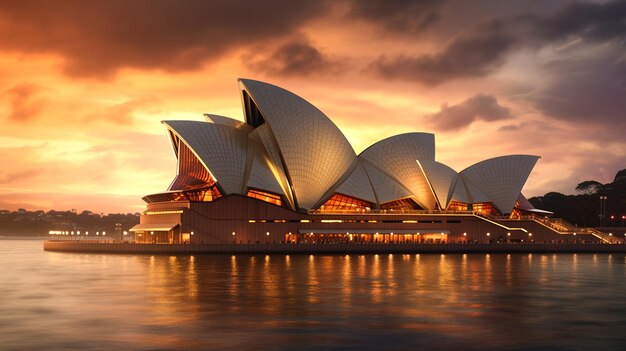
(594, 204)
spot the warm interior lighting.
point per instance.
(457, 206)
(485, 208)
(265, 196)
(163, 212)
(340, 202)
(406, 204)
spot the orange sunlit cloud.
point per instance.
(84, 89)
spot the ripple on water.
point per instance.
(451, 302)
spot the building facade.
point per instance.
(288, 174)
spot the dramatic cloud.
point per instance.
(471, 56)
(98, 38)
(558, 67)
(478, 108)
(483, 49)
(295, 58)
(587, 91)
(588, 21)
(23, 102)
(408, 16)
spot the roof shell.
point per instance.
(314, 152)
(358, 185)
(501, 179)
(220, 148)
(442, 180)
(385, 188)
(396, 156)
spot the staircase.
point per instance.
(562, 226)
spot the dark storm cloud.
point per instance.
(99, 37)
(483, 49)
(471, 56)
(589, 21)
(591, 91)
(478, 108)
(398, 15)
(23, 101)
(295, 58)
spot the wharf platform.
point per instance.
(338, 248)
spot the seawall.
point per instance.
(343, 248)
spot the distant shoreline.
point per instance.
(169, 249)
(24, 238)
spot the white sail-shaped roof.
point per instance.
(397, 156)
(358, 185)
(264, 134)
(220, 148)
(442, 180)
(474, 194)
(460, 191)
(314, 152)
(261, 175)
(385, 188)
(501, 179)
(231, 122)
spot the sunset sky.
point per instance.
(85, 84)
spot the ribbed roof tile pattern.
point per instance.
(501, 179)
(227, 121)
(296, 151)
(460, 191)
(474, 194)
(358, 185)
(315, 152)
(265, 135)
(397, 156)
(442, 180)
(261, 176)
(222, 150)
(385, 187)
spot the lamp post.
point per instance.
(602, 209)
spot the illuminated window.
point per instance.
(163, 212)
(340, 202)
(485, 208)
(199, 195)
(267, 197)
(457, 206)
(203, 195)
(191, 173)
(400, 205)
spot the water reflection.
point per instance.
(469, 302)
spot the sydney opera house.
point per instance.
(288, 175)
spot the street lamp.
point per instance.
(602, 209)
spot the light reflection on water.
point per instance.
(445, 302)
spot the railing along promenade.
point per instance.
(327, 248)
(558, 225)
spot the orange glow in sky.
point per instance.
(84, 85)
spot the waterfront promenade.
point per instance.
(337, 248)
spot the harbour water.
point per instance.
(55, 301)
